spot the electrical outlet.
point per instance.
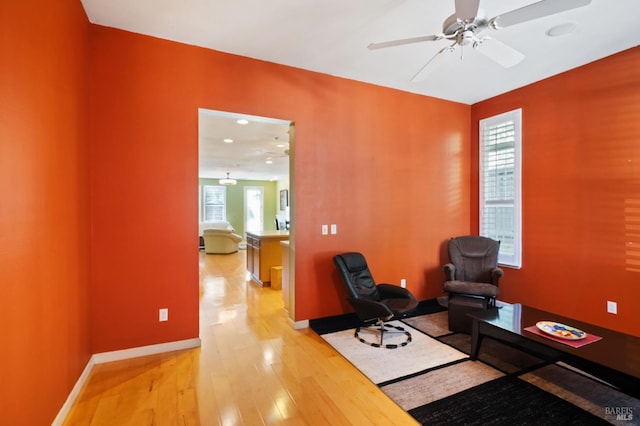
(325, 229)
(403, 283)
(334, 229)
(163, 314)
(612, 307)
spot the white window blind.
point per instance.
(214, 204)
(500, 189)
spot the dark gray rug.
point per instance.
(504, 401)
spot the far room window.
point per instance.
(214, 206)
(500, 188)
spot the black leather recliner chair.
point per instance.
(373, 303)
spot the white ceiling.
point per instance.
(331, 37)
(259, 150)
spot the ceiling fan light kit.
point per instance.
(227, 181)
(466, 25)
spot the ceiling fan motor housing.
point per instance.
(463, 32)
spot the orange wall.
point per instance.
(388, 167)
(394, 171)
(44, 207)
(581, 191)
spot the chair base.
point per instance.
(382, 329)
(459, 307)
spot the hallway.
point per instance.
(253, 368)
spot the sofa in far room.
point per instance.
(222, 238)
(220, 241)
(218, 224)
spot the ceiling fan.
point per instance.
(465, 28)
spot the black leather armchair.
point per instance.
(472, 278)
(373, 303)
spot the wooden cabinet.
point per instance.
(264, 252)
(253, 255)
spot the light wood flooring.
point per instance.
(253, 368)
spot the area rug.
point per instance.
(499, 355)
(433, 379)
(382, 365)
(439, 383)
(435, 325)
(505, 401)
(585, 392)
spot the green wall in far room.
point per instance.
(235, 202)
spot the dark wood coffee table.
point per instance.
(614, 359)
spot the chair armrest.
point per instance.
(368, 310)
(449, 271)
(471, 288)
(390, 291)
(496, 274)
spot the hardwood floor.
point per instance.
(253, 368)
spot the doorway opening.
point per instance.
(257, 155)
(254, 208)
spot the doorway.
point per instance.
(254, 209)
(256, 154)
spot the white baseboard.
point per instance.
(103, 357)
(71, 399)
(297, 325)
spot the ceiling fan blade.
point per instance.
(384, 44)
(499, 52)
(534, 11)
(424, 72)
(467, 10)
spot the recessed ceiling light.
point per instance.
(280, 145)
(562, 29)
(227, 140)
(242, 121)
(269, 161)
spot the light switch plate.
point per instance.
(325, 229)
(612, 307)
(334, 229)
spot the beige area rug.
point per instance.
(381, 365)
(440, 383)
(435, 325)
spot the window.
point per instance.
(500, 189)
(214, 205)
